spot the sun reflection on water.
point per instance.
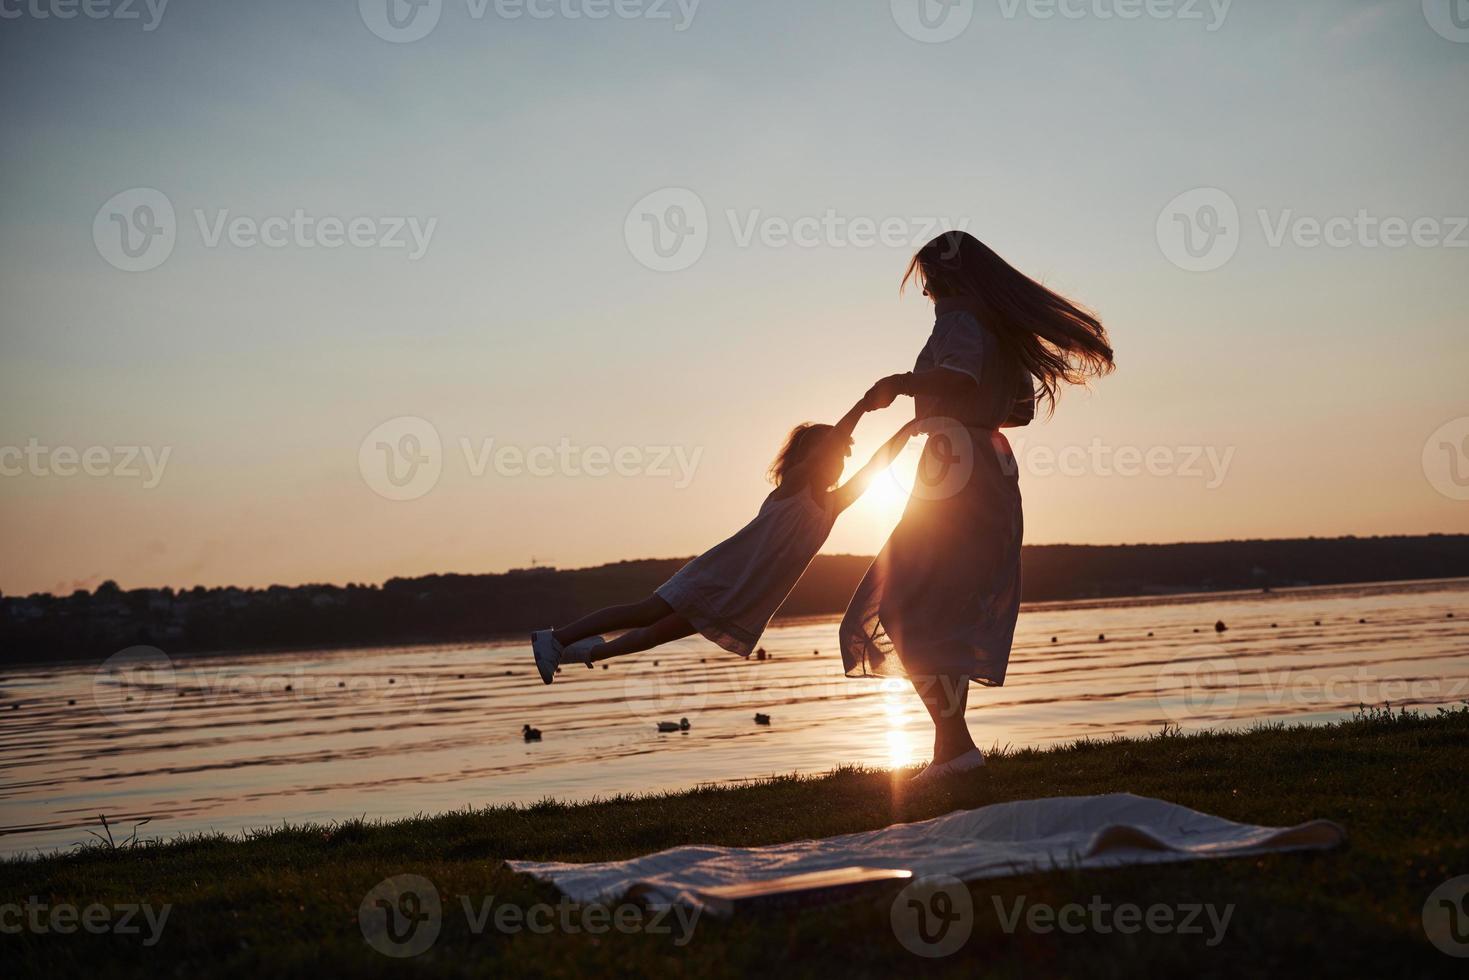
(897, 710)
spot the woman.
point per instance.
(939, 603)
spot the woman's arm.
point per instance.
(939, 381)
(847, 493)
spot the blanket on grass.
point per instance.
(995, 841)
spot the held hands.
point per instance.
(885, 392)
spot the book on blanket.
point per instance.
(792, 891)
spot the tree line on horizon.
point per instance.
(462, 608)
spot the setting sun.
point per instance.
(889, 496)
(881, 507)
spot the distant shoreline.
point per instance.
(462, 609)
(508, 638)
(1228, 595)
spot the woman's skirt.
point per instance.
(943, 596)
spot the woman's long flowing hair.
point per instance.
(1054, 338)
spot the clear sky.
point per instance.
(1308, 379)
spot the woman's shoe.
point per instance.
(968, 762)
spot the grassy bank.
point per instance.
(286, 901)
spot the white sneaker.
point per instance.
(547, 653)
(969, 761)
(581, 651)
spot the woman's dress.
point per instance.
(943, 596)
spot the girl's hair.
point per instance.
(1055, 339)
(803, 438)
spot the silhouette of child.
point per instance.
(729, 593)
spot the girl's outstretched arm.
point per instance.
(848, 424)
(848, 492)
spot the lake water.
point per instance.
(233, 742)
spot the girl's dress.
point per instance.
(943, 596)
(730, 591)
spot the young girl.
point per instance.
(730, 592)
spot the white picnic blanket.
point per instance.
(990, 842)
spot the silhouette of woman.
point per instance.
(939, 604)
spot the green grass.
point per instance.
(285, 901)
